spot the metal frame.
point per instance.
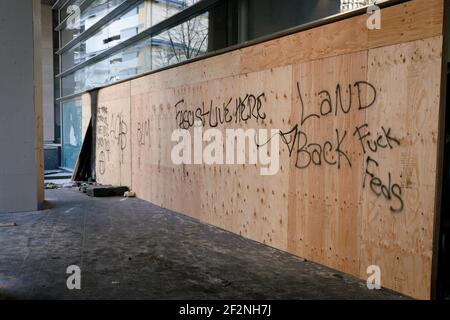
(59, 4)
(182, 16)
(127, 4)
(83, 6)
(193, 11)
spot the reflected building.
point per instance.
(347, 5)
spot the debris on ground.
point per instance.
(105, 191)
(51, 186)
(94, 189)
(84, 185)
(130, 194)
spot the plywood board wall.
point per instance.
(359, 113)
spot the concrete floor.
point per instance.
(131, 249)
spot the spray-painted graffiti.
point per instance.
(143, 132)
(331, 152)
(142, 137)
(244, 109)
(306, 153)
(112, 131)
(305, 149)
(103, 143)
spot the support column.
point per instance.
(21, 132)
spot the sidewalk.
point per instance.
(131, 249)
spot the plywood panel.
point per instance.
(170, 186)
(113, 140)
(251, 198)
(217, 67)
(413, 20)
(234, 197)
(407, 77)
(326, 163)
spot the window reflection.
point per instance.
(183, 42)
(140, 17)
(226, 23)
(347, 5)
(89, 16)
(72, 133)
(118, 30)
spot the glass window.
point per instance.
(116, 31)
(142, 16)
(88, 17)
(72, 135)
(260, 18)
(185, 41)
(224, 24)
(165, 9)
